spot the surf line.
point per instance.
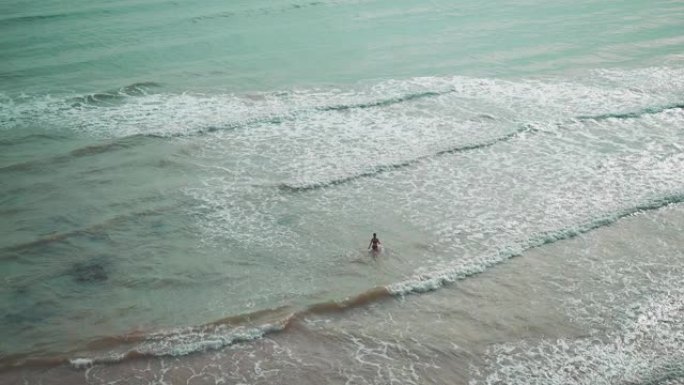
(386, 102)
(252, 326)
(275, 119)
(297, 113)
(377, 170)
(633, 115)
(188, 340)
(232, 330)
(102, 98)
(435, 280)
(294, 115)
(136, 139)
(529, 127)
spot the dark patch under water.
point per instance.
(91, 271)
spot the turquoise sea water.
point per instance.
(180, 179)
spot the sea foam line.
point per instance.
(138, 139)
(377, 170)
(220, 334)
(633, 115)
(183, 342)
(435, 280)
(274, 109)
(274, 119)
(93, 112)
(529, 128)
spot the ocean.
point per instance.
(188, 190)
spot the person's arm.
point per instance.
(369, 244)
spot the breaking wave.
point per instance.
(248, 327)
(377, 170)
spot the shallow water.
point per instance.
(183, 185)
(600, 308)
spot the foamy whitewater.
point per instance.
(188, 191)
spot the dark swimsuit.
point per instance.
(375, 243)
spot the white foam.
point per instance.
(180, 114)
(88, 362)
(647, 347)
(382, 361)
(81, 363)
(184, 341)
(628, 302)
(453, 271)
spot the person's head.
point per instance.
(375, 235)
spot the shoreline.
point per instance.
(449, 334)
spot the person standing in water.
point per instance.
(374, 243)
